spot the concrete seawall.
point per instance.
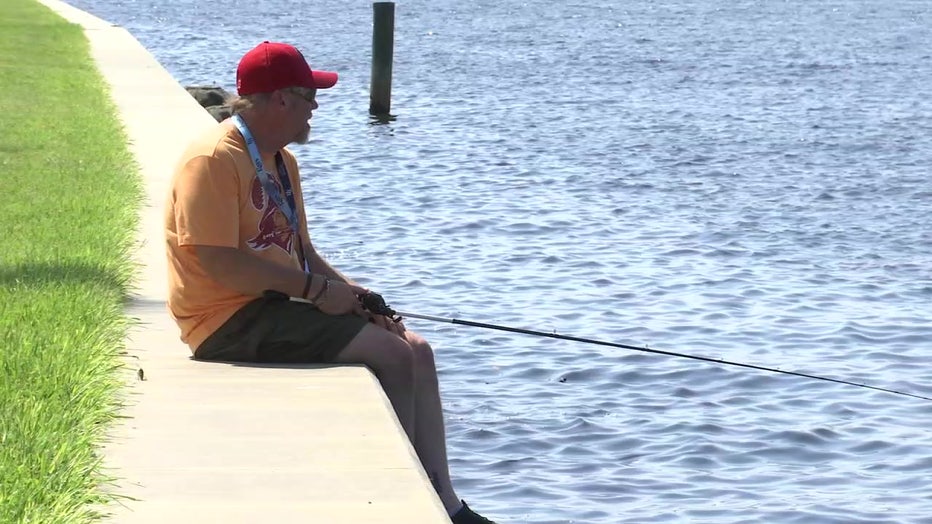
(206, 442)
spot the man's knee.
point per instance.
(380, 350)
(398, 348)
(423, 353)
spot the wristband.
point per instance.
(323, 289)
(307, 285)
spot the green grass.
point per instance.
(70, 194)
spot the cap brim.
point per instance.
(323, 79)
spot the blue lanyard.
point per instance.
(271, 189)
(287, 207)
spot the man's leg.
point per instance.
(392, 360)
(430, 439)
(406, 370)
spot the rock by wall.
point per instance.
(214, 99)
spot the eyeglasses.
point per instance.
(309, 95)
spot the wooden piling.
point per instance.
(383, 42)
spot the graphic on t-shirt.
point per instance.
(274, 229)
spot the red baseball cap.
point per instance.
(271, 66)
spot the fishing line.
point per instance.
(376, 304)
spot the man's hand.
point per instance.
(341, 299)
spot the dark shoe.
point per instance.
(468, 516)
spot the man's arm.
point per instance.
(319, 265)
(251, 275)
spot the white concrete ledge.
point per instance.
(223, 443)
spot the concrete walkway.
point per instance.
(217, 443)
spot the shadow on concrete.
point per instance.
(271, 365)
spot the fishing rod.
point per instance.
(376, 304)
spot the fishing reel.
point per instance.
(375, 304)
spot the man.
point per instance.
(238, 247)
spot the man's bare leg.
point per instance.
(406, 370)
(391, 359)
(430, 440)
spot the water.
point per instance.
(743, 180)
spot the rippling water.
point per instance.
(744, 180)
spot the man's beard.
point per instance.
(304, 136)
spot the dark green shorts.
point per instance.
(274, 329)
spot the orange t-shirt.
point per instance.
(216, 199)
